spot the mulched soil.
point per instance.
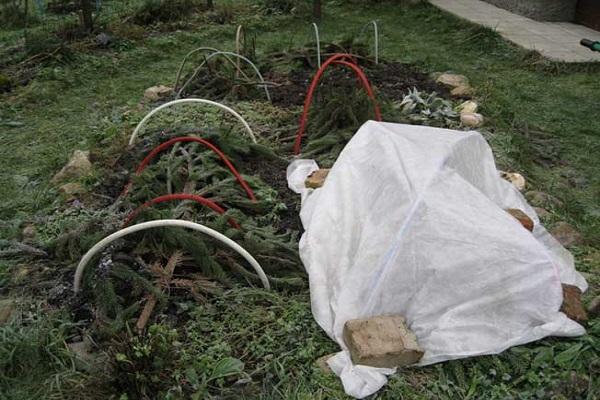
(390, 80)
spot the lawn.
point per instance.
(541, 121)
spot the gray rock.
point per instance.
(452, 80)
(103, 39)
(463, 92)
(542, 212)
(155, 93)
(29, 233)
(541, 199)
(79, 165)
(566, 234)
(85, 358)
(594, 307)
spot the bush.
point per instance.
(279, 6)
(13, 13)
(5, 83)
(153, 11)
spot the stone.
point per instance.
(515, 178)
(522, 218)
(452, 80)
(382, 341)
(468, 107)
(29, 233)
(542, 212)
(462, 92)
(471, 120)
(155, 93)
(7, 307)
(103, 39)
(322, 364)
(85, 359)
(572, 305)
(566, 234)
(541, 199)
(316, 179)
(594, 307)
(79, 165)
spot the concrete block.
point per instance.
(382, 341)
(316, 179)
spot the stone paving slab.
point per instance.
(558, 41)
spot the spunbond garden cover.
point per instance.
(411, 222)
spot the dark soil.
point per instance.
(392, 81)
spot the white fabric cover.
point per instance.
(411, 221)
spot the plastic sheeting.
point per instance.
(411, 221)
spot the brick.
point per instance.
(572, 305)
(316, 179)
(522, 218)
(382, 341)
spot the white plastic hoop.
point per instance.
(232, 54)
(376, 34)
(162, 223)
(199, 49)
(202, 101)
(238, 45)
(318, 40)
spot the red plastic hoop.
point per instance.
(187, 139)
(338, 59)
(180, 196)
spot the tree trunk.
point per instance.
(317, 10)
(210, 4)
(86, 15)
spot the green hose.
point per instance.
(594, 46)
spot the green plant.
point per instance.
(143, 364)
(152, 11)
(279, 6)
(427, 109)
(14, 13)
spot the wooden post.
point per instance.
(86, 15)
(317, 10)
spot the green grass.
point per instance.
(542, 122)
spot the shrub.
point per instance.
(279, 6)
(13, 13)
(153, 11)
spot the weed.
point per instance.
(35, 361)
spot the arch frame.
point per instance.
(337, 59)
(180, 196)
(191, 139)
(231, 54)
(190, 101)
(87, 257)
